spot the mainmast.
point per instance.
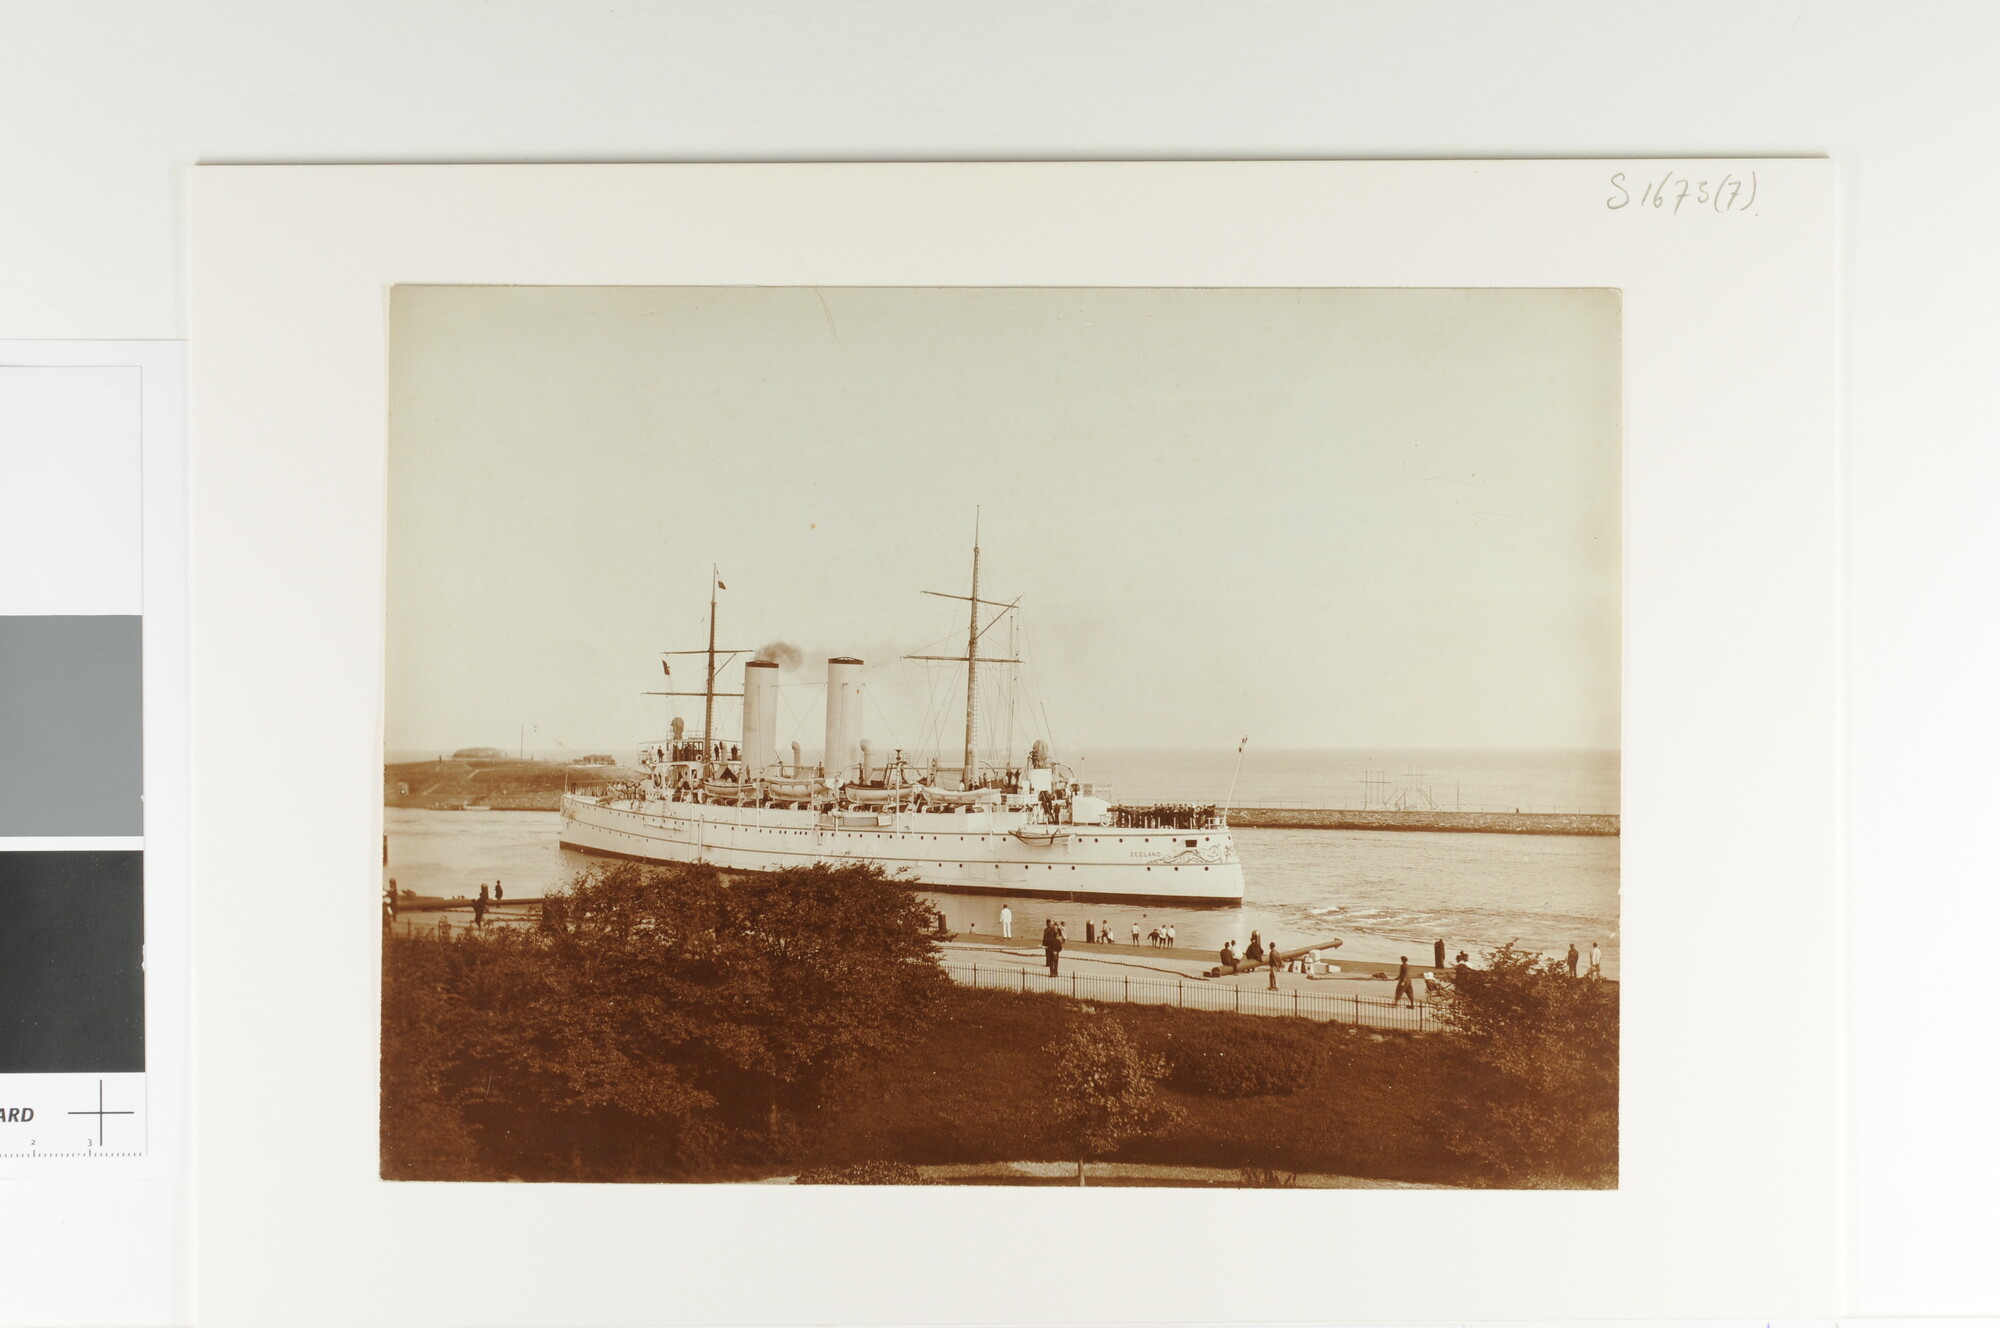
(972, 665)
(708, 705)
(972, 659)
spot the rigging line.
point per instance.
(801, 722)
(887, 721)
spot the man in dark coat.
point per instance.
(1052, 947)
(1403, 986)
(1438, 950)
(1573, 957)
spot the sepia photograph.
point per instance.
(1003, 736)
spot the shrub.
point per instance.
(1248, 1057)
(1537, 1093)
(862, 1173)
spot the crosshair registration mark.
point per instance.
(101, 1113)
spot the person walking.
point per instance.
(1403, 986)
(1006, 923)
(1170, 935)
(1135, 936)
(479, 909)
(1438, 951)
(498, 893)
(1573, 957)
(1055, 946)
(1596, 961)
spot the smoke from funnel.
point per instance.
(782, 653)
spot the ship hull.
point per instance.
(974, 852)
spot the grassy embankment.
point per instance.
(502, 785)
(1355, 1101)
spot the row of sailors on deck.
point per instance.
(692, 751)
(1167, 816)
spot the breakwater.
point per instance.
(1483, 823)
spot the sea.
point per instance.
(1381, 894)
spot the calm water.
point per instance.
(1383, 894)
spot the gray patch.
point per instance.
(70, 735)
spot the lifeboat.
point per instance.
(791, 790)
(1044, 835)
(970, 798)
(872, 797)
(728, 790)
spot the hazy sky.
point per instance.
(1322, 518)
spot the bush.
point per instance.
(862, 1173)
(1537, 1090)
(1254, 1057)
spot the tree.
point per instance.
(661, 1020)
(1536, 1076)
(1103, 1090)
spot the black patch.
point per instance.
(72, 981)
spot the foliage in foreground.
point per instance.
(658, 1023)
(1542, 1049)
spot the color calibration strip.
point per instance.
(93, 827)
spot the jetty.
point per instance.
(1482, 823)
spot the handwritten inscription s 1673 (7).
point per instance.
(1672, 192)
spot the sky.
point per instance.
(1313, 518)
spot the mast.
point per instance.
(972, 664)
(708, 692)
(972, 659)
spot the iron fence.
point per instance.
(1235, 997)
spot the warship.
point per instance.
(992, 827)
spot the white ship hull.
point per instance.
(973, 851)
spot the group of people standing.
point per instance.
(1166, 816)
(1596, 960)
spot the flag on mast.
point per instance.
(720, 584)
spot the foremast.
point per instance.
(707, 692)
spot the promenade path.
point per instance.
(1142, 975)
(1126, 1173)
